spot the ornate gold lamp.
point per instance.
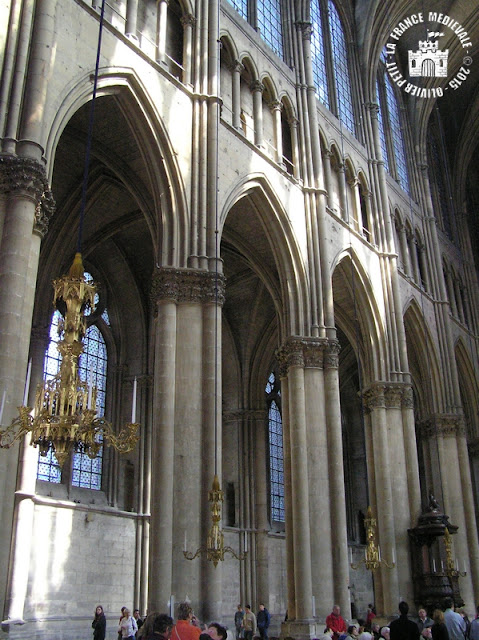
(214, 549)
(372, 554)
(452, 569)
(64, 416)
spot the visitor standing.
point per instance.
(439, 628)
(99, 624)
(127, 626)
(184, 628)
(456, 627)
(402, 628)
(249, 623)
(239, 622)
(262, 621)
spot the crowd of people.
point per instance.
(445, 624)
(159, 626)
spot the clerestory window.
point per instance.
(393, 144)
(330, 62)
(266, 16)
(276, 460)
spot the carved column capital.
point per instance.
(237, 66)
(188, 20)
(187, 285)
(26, 177)
(314, 353)
(408, 397)
(375, 397)
(306, 29)
(276, 105)
(331, 354)
(444, 425)
(304, 352)
(373, 108)
(393, 394)
(290, 355)
(257, 85)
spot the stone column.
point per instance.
(165, 292)
(336, 474)
(188, 21)
(29, 204)
(131, 19)
(405, 251)
(375, 402)
(162, 21)
(404, 471)
(299, 479)
(211, 449)
(327, 175)
(276, 107)
(24, 503)
(237, 70)
(412, 466)
(257, 89)
(343, 193)
(353, 184)
(414, 260)
(460, 307)
(212, 426)
(317, 462)
(472, 555)
(294, 123)
(292, 355)
(424, 267)
(186, 436)
(451, 292)
(288, 492)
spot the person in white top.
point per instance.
(128, 626)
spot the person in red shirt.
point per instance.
(336, 622)
(184, 628)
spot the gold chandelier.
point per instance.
(452, 569)
(372, 554)
(214, 549)
(64, 416)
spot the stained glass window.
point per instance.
(86, 472)
(396, 134)
(318, 59)
(382, 137)
(241, 7)
(276, 462)
(270, 25)
(438, 177)
(342, 80)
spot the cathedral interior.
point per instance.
(274, 206)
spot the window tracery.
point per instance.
(276, 462)
(393, 145)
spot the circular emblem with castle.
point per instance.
(427, 60)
